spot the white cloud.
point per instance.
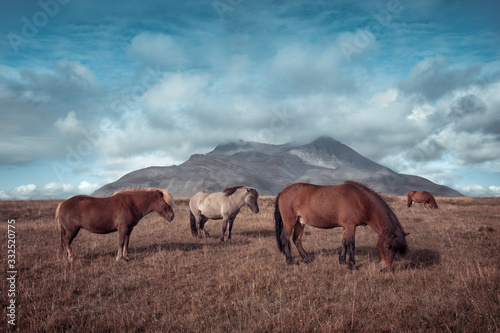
(75, 73)
(173, 102)
(475, 190)
(433, 77)
(51, 190)
(309, 69)
(23, 191)
(420, 112)
(495, 190)
(158, 49)
(70, 124)
(86, 188)
(385, 98)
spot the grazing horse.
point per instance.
(121, 212)
(422, 197)
(347, 205)
(223, 205)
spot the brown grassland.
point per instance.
(448, 282)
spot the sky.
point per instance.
(92, 90)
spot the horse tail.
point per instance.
(278, 223)
(60, 229)
(192, 221)
(57, 219)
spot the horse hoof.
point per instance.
(352, 267)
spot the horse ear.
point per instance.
(161, 194)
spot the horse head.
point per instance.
(388, 244)
(163, 205)
(251, 199)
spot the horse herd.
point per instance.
(347, 205)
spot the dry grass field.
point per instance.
(448, 282)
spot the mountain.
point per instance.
(270, 168)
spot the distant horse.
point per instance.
(223, 205)
(120, 212)
(422, 197)
(347, 205)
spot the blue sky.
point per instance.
(91, 90)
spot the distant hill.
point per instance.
(270, 168)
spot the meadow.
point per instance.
(448, 282)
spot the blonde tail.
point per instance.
(59, 227)
(56, 220)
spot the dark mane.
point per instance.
(393, 226)
(230, 190)
(253, 191)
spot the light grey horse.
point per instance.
(223, 206)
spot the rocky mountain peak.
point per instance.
(270, 168)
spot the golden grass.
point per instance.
(448, 282)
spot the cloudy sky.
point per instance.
(91, 90)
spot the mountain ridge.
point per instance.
(270, 168)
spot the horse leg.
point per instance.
(122, 234)
(285, 241)
(125, 245)
(343, 250)
(224, 227)
(62, 231)
(349, 238)
(231, 220)
(297, 240)
(66, 238)
(203, 220)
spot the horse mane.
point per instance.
(393, 227)
(230, 190)
(166, 195)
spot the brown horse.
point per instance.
(347, 205)
(422, 197)
(223, 206)
(120, 212)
